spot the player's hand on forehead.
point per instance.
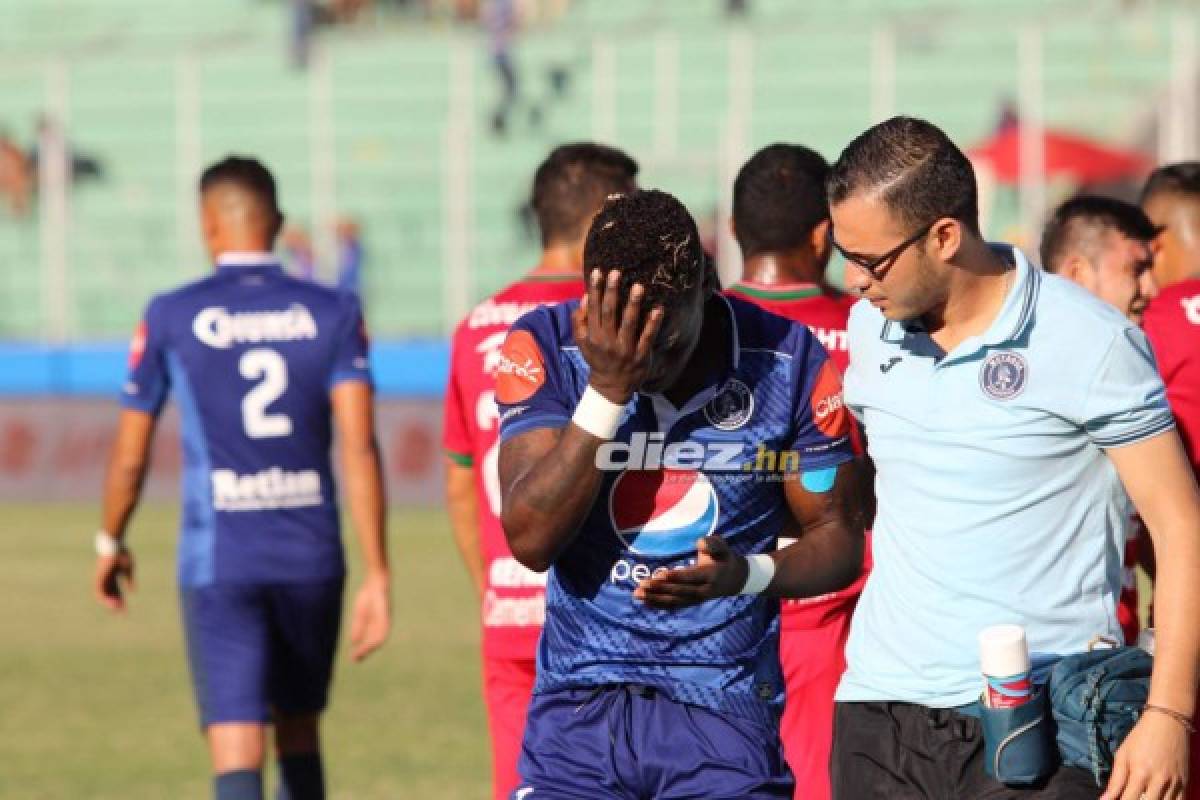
(615, 339)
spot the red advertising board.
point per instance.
(56, 449)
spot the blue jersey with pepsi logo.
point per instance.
(672, 476)
(250, 356)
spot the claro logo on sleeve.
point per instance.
(828, 407)
(521, 370)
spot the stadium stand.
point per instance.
(125, 76)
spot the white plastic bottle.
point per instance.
(1004, 661)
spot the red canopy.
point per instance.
(1066, 155)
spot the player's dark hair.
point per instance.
(571, 185)
(913, 167)
(652, 239)
(1182, 178)
(778, 198)
(247, 174)
(1079, 221)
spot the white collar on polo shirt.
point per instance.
(240, 258)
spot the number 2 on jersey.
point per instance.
(269, 368)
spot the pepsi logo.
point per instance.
(662, 512)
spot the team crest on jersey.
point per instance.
(1003, 375)
(662, 512)
(828, 404)
(520, 369)
(732, 407)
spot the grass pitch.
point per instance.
(95, 706)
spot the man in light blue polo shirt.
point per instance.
(1004, 408)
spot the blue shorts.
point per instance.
(634, 743)
(258, 649)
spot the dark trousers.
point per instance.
(901, 751)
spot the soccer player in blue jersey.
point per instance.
(640, 428)
(262, 368)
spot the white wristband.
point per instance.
(760, 571)
(108, 545)
(597, 415)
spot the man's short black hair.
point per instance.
(1182, 178)
(246, 173)
(652, 239)
(778, 198)
(920, 175)
(1079, 222)
(571, 184)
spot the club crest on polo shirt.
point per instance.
(731, 408)
(1003, 375)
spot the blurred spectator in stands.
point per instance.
(300, 31)
(348, 11)
(16, 176)
(298, 246)
(81, 166)
(500, 21)
(737, 8)
(466, 10)
(350, 256)
(308, 15)
(541, 11)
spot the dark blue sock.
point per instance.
(301, 777)
(241, 784)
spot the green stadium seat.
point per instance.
(391, 107)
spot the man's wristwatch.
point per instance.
(108, 545)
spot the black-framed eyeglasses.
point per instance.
(877, 267)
